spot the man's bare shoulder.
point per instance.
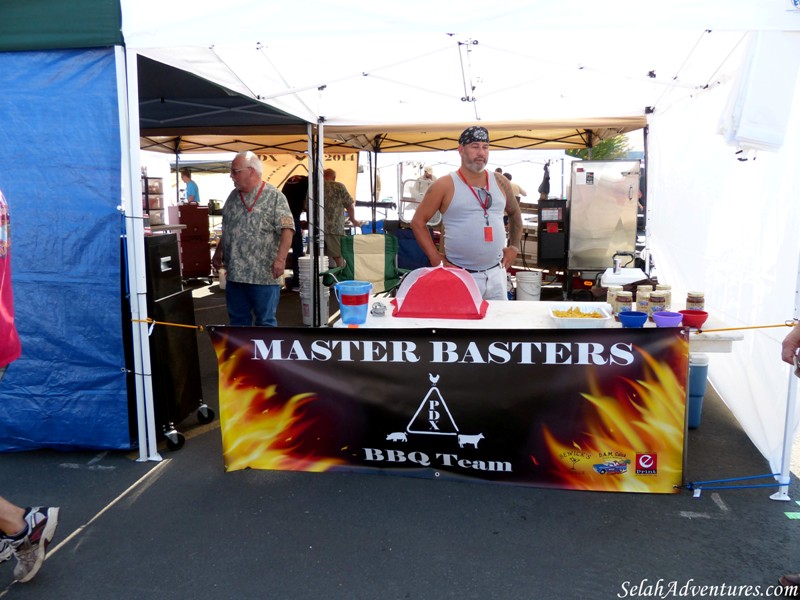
(504, 184)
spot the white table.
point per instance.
(536, 315)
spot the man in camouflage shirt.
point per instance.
(257, 230)
(337, 200)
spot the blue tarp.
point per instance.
(60, 165)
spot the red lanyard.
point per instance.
(485, 204)
(252, 206)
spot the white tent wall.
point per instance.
(729, 227)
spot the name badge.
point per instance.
(487, 234)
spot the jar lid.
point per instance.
(624, 295)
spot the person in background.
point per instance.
(427, 174)
(25, 533)
(257, 231)
(516, 190)
(337, 200)
(422, 183)
(472, 203)
(192, 193)
(296, 191)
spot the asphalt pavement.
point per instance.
(183, 528)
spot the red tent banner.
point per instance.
(582, 409)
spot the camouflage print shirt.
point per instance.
(250, 238)
(337, 199)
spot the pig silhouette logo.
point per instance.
(463, 440)
(397, 436)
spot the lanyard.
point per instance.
(252, 206)
(485, 204)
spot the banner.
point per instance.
(588, 409)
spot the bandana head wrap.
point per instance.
(473, 134)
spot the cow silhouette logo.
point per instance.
(433, 417)
(469, 439)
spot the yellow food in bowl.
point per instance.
(577, 313)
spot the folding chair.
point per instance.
(370, 257)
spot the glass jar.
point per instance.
(624, 302)
(611, 296)
(658, 301)
(667, 289)
(642, 289)
(695, 301)
(643, 301)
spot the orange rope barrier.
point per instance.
(786, 324)
(151, 321)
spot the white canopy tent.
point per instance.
(717, 223)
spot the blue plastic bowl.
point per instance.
(632, 318)
(666, 318)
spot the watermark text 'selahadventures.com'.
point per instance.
(662, 588)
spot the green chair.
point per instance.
(369, 257)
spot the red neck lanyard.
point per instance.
(485, 204)
(252, 206)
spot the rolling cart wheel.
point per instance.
(205, 414)
(176, 441)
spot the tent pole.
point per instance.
(788, 426)
(127, 78)
(790, 419)
(177, 170)
(373, 185)
(319, 221)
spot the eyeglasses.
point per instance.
(237, 171)
(485, 198)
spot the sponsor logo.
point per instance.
(646, 463)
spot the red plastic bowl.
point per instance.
(694, 318)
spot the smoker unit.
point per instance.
(602, 205)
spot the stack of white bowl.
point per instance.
(305, 276)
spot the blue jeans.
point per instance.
(249, 301)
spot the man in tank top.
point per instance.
(472, 202)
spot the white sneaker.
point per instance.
(30, 550)
(6, 551)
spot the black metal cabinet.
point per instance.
(174, 358)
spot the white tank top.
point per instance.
(464, 223)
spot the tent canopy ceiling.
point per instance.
(175, 105)
(529, 135)
(378, 78)
(180, 112)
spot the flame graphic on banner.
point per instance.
(645, 416)
(262, 430)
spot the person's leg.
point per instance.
(238, 303)
(496, 284)
(12, 519)
(480, 281)
(265, 300)
(333, 248)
